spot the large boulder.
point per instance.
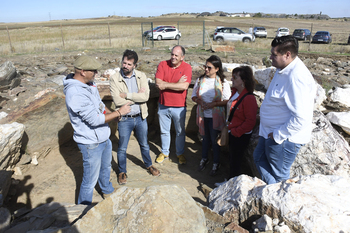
(316, 203)
(166, 208)
(8, 76)
(327, 152)
(46, 121)
(10, 144)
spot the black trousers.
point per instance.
(237, 146)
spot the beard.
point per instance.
(126, 71)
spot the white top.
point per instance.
(208, 93)
(287, 109)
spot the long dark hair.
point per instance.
(247, 76)
(216, 61)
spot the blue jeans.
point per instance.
(97, 160)
(273, 160)
(209, 138)
(178, 115)
(125, 126)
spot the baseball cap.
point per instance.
(87, 63)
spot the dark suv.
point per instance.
(349, 40)
(302, 34)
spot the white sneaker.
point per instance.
(220, 183)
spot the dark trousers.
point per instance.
(237, 146)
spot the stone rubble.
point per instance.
(303, 202)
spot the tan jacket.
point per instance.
(117, 86)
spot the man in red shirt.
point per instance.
(172, 79)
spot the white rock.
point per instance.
(264, 76)
(228, 67)
(327, 152)
(264, 223)
(282, 229)
(340, 118)
(316, 203)
(320, 97)
(10, 144)
(340, 95)
(3, 115)
(17, 171)
(34, 160)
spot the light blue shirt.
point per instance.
(132, 88)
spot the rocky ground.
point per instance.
(58, 175)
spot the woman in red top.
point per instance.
(244, 118)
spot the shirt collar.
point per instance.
(289, 66)
(133, 74)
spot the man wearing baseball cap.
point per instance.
(89, 118)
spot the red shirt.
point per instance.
(167, 73)
(244, 118)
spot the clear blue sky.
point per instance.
(40, 10)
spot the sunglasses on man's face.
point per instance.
(208, 67)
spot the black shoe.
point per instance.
(215, 169)
(202, 164)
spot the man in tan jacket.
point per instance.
(131, 85)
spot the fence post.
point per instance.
(8, 33)
(310, 38)
(203, 33)
(109, 35)
(178, 28)
(62, 37)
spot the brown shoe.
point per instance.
(154, 171)
(122, 178)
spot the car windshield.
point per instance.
(322, 33)
(283, 30)
(298, 31)
(260, 28)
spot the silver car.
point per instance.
(232, 34)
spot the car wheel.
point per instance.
(246, 40)
(159, 37)
(177, 37)
(220, 40)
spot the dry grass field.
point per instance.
(125, 32)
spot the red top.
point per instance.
(167, 73)
(244, 118)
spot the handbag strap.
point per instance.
(236, 105)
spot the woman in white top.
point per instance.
(211, 92)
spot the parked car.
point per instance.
(165, 33)
(282, 32)
(260, 32)
(349, 39)
(145, 33)
(302, 34)
(232, 34)
(322, 37)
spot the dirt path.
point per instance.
(58, 175)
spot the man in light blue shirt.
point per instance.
(89, 117)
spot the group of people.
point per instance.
(285, 115)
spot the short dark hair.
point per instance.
(216, 61)
(182, 49)
(247, 76)
(130, 54)
(286, 43)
